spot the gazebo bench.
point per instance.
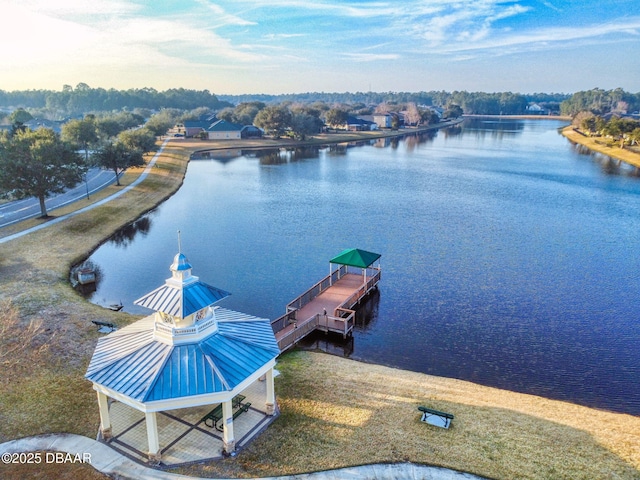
(215, 415)
(443, 419)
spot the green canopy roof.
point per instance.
(355, 257)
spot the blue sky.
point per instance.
(292, 46)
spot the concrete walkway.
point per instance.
(139, 180)
(106, 460)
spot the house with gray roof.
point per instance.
(223, 130)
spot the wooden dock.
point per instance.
(327, 306)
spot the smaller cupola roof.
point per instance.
(180, 263)
(183, 294)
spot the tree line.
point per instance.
(605, 113)
(82, 99)
(472, 102)
(73, 101)
(601, 102)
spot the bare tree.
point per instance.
(384, 107)
(411, 114)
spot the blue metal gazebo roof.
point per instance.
(132, 362)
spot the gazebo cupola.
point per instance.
(184, 305)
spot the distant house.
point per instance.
(223, 130)
(192, 128)
(359, 124)
(188, 128)
(214, 129)
(195, 127)
(383, 120)
(251, 131)
(535, 109)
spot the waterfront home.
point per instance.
(359, 124)
(223, 130)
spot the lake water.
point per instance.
(510, 257)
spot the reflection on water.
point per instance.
(127, 234)
(610, 166)
(496, 129)
(508, 257)
(284, 155)
(328, 343)
(222, 156)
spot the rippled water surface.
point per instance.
(509, 257)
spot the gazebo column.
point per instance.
(228, 439)
(271, 397)
(105, 419)
(152, 436)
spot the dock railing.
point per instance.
(321, 322)
(317, 289)
(302, 329)
(281, 322)
(346, 317)
(362, 291)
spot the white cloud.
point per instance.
(58, 37)
(275, 36)
(547, 37)
(66, 8)
(370, 57)
(348, 9)
(222, 18)
(466, 21)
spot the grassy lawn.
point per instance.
(334, 412)
(337, 412)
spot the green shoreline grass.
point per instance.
(598, 145)
(335, 412)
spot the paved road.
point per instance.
(99, 203)
(18, 210)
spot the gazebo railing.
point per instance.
(190, 330)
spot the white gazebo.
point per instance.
(188, 354)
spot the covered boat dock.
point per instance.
(329, 305)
